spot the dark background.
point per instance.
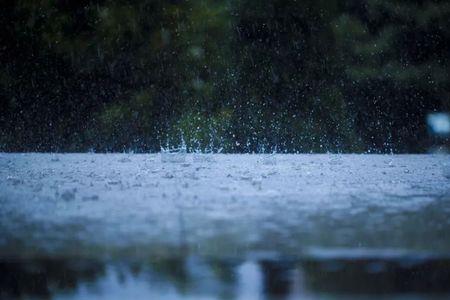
(241, 76)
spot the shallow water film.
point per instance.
(211, 226)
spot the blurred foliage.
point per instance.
(234, 76)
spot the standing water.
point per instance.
(117, 226)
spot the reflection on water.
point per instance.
(333, 273)
(42, 278)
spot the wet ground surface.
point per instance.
(174, 226)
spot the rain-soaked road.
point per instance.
(191, 226)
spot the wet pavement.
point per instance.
(177, 226)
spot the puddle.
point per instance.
(339, 273)
(115, 226)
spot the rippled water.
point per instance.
(119, 226)
(323, 273)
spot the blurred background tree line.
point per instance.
(235, 75)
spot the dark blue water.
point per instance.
(332, 274)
